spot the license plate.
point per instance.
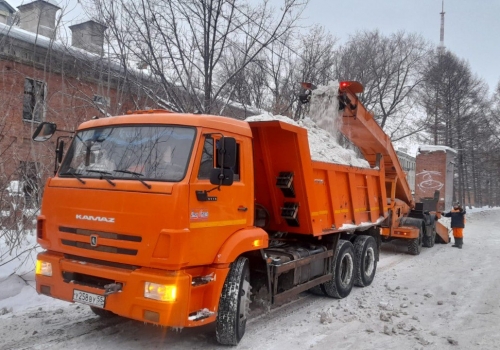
(89, 298)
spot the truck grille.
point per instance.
(100, 248)
(108, 235)
(99, 234)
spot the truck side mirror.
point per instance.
(226, 149)
(221, 177)
(44, 131)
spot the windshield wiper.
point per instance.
(137, 176)
(74, 174)
(106, 175)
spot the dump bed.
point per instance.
(310, 197)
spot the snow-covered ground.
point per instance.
(443, 298)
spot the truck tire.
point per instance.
(343, 272)
(429, 241)
(233, 304)
(415, 245)
(102, 313)
(365, 249)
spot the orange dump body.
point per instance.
(321, 198)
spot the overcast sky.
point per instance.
(472, 27)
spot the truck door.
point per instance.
(226, 210)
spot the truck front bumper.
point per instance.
(194, 303)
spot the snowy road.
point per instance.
(443, 298)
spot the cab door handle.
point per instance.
(241, 208)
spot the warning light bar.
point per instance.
(353, 86)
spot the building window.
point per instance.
(34, 100)
(101, 100)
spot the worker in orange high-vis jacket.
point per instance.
(457, 215)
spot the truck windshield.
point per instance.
(131, 152)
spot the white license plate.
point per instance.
(89, 298)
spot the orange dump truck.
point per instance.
(180, 219)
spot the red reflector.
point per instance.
(344, 84)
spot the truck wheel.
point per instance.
(415, 245)
(429, 241)
(343, 272)
(366, 260)
(102, 313)
(233, 304)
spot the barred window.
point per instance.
(34, 100)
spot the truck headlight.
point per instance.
(43, 268)
(163, 292)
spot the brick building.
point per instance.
(42, 79)
(434, 172)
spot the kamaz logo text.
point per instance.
(94, 218)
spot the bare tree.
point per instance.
(461, 119)
(390, 68)
(183, 42)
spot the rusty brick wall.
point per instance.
(68, 103)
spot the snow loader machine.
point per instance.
(181, 220)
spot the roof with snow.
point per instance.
(436, 148)
(43, 41)
(87, 22)
(4, 3)
(50, 2)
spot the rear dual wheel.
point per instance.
(365, 249)
(343, 272)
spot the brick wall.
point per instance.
(434, 171)
(69, 102)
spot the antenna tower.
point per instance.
(441, 37)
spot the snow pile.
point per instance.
(322, 127)
(324, 108)
(325, 148)
(17, 276)
(14, 188)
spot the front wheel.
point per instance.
(430, 240)
(343, 272)
(365, 249)
(234, 304)
(415, 245)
